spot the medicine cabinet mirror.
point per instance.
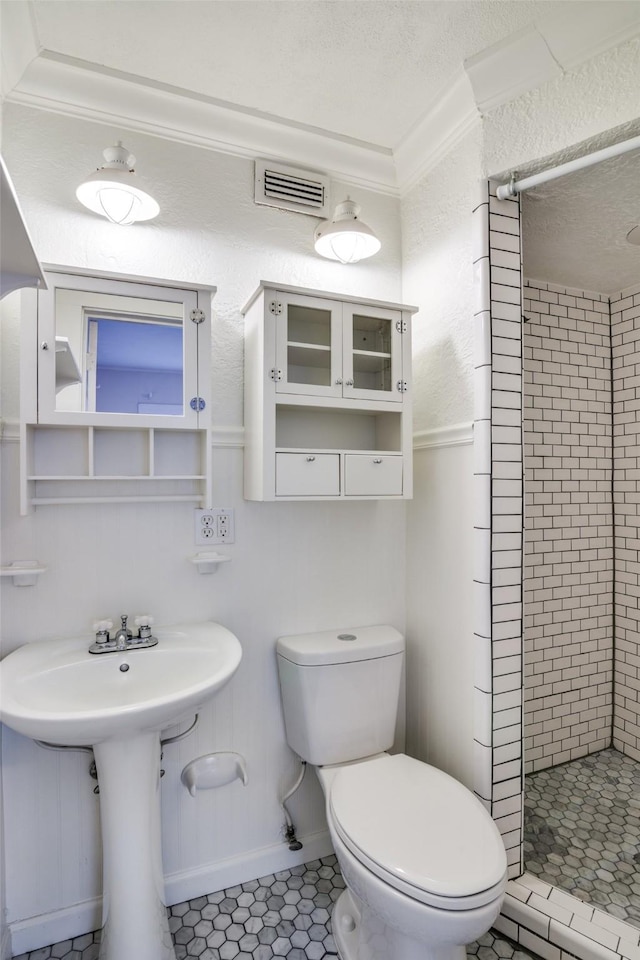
(116, 352)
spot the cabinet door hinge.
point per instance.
(401, 326)
(275, 374)
(197, 315)
(275, 307)
(402, 386)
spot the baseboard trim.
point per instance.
(49, 928)
(188, 884)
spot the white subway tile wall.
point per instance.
(625, 334)
(568, 575)
(498, 517)
(576, 930)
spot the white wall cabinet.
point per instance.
(330, 348)
(115, 391)
(327, 396)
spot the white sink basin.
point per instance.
(55, 690)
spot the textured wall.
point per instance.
(625, 334)
(438, 277)
(568, 574)
(584, 104)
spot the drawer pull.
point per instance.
(377, 459)
(310, 459)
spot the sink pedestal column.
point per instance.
(135, 925)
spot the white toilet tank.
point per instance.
(340, 691)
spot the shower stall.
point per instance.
(557, 557)
(581, 584)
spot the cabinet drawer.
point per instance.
(307, 474)
(372, 476)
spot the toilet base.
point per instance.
(359, 934)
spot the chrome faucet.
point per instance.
(123, 639)
(122, 636)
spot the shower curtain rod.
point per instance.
(515, 187)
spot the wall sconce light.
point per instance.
(345, 238)
(114, 191)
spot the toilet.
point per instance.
(423, 862)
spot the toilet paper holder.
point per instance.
(214, 770)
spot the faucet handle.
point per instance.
(143, 622)
(101, 629)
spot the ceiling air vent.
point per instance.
(290, 188)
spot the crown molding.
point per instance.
(74, 89)
(573, 40)
(451, 116)
(77, 89)
(510, 68)
(554, 46)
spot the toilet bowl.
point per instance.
(424, 865)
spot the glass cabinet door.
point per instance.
(372, 348)
(309, 346)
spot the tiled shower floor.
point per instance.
(282, 915)
(582, 831)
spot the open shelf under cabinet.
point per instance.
(63, 464)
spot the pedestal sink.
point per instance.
(55, 690)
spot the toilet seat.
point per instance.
(419, 830)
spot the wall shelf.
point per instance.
(88, 464)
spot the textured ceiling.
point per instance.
(574, 228)
(366, 70)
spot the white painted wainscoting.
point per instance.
(439, 614)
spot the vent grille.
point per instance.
(289, 188)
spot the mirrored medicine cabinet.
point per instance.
(115, 390)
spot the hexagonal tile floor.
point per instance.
(582, 830)
(286, 915)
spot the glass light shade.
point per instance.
(345, 238)
(114, 192)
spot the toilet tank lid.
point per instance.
(341, 646)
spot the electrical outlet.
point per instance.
(214, 526)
